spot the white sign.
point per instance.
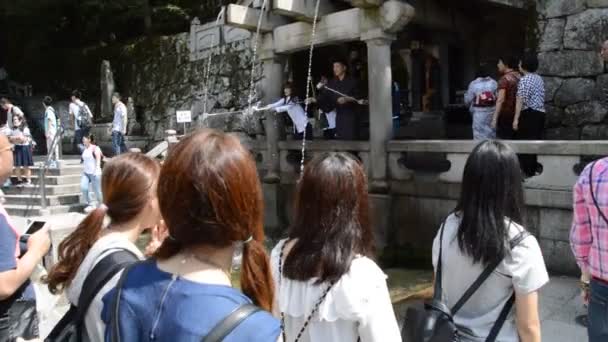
(184, 116)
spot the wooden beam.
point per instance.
(303, 10)
(247, 18)
(334, 28)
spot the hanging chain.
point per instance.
(309, 83)
(252, 90)
(207, 73)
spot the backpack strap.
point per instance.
(438, 280)
(115, 307)
(228, 324)
(485, 274)
(502, 318)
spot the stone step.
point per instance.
(53, 200)
(56, 180)
(70, 169)
(50, 190)
(32, 211)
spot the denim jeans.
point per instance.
(94, 180)
(78, 135)
(118, 143)
(598, 312)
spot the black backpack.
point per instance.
(71, 326)
(84, 116)
(433, 320)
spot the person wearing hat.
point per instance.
(345, 106)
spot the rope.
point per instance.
(252, 90)
(209, 59)
(309, 82)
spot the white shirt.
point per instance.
(110, 243)
(75, 111)
(89, 161)
(331, 119)
(51, 121)
(294, 110)
(523, 271)
(358, 305)
(120, 112)
(16, 132)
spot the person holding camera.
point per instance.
(18, 317)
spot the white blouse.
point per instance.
(358, 305)
(294, 110)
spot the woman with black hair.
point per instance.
(487, 219)
(529, 121)
(328, 288)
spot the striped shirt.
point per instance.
(589, 234)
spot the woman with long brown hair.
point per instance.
(129, 188)
(328, 286)
(211, 200)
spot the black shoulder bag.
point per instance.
(71, 326)
(217, 334)
(433, 321)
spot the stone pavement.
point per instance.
(560, 304)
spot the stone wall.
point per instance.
(571, 32)
(161, 78)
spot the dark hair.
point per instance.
(4, 101)
(76, 94)
(47, 100)
(127, 184)
(117, 95)
(23, 121)
(484, 70)
(511, 61)
(331, 222)
(210, 195)
(492, 192)
(91, 138)
(340, 60)
(530, 62)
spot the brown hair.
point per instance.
(127, 183)
(331, 222)
(209, 194)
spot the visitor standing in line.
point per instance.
(11, 110)
(502, 120)
(18, 317)
(589, 242)
(119, 125)
(211, 200)
(21, 137)
(81, 118)
(91, 173)
(328, 286)
(529, 121)
(51, 129)
(481, 99)
(487, 226)
(129, 186)
(291, 104)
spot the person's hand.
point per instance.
(494, 123)
(159, 234)
(515, 125)
(40, 241)
(310, 100)
(362, 102)
(342, 100)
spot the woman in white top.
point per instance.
(22, 154)
(290, 104)
(489, 214)
(91, 172)
(328, 286)
(129, 185)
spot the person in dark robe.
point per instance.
(346, 106)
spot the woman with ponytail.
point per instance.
(129, 186)
(211, 200)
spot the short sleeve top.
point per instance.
(158, 306)
(531, 90)
(357, 306)
(508, 82)
(522, 271)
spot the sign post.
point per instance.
(184, 116)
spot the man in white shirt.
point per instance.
(11, 110)
(79, 115)
(50, 131)
(119, 125)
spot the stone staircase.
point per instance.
(62, 191)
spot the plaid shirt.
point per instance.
(589, 234)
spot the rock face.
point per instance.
(162, 80)
(572, 69)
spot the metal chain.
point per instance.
(308, 83)
(252, 90)
(207, 73)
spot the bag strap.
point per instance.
(485, 274)
(103, 271)
(597, 206)
(115, 327)
(228, 324)
(438, 280)
(502, 318)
